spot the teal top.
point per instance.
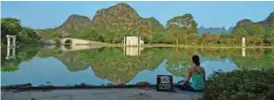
(197, 81)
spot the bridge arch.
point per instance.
(74, 44)
(68, 41)
(73, 41)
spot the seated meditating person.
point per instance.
(197, 74)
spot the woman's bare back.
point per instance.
(197, 69)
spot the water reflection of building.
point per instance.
(133, 41)
(243, 52)
(133, 51)
(11, 53)
(11, 46)
(243, 47)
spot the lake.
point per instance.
(102, 66)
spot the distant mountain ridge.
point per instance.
(252, 27)
(121, 20)
(269, 20)
(120, 16)
(214, 30)
(73, 24)
(126, 18)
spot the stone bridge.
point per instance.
(74, 44)
(76, 41)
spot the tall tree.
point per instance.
(182, 26)
(269, 38)
(9, 26)
(27, 35)
(238, 33)
(259, 31)
(256, 29)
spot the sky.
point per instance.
(50, 14)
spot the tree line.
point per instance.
(179, 30)
(12, 26)
(183, 30)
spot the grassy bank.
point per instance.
(187, 46)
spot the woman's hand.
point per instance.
(185, 82)
(182, 81)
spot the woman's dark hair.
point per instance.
(196, 60)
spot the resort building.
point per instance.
(130, 41)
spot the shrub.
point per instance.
(241, 85)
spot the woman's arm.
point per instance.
(204, 75)
(188, 76)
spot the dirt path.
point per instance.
(99, 94)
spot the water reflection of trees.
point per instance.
(255, 58)
(109, 63)
(113, 65)
(23, 54)
(70, 59)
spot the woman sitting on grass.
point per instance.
(197, 74)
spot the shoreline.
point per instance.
(144, 91)
(189, 46)
(29, 87)
(100, 94)
(238, 46)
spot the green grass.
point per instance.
(186, 46)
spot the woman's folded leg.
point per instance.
(187, 87)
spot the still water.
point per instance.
(102, 66)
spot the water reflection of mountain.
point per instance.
(38, 71)
(109, 63)
(112, 63)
